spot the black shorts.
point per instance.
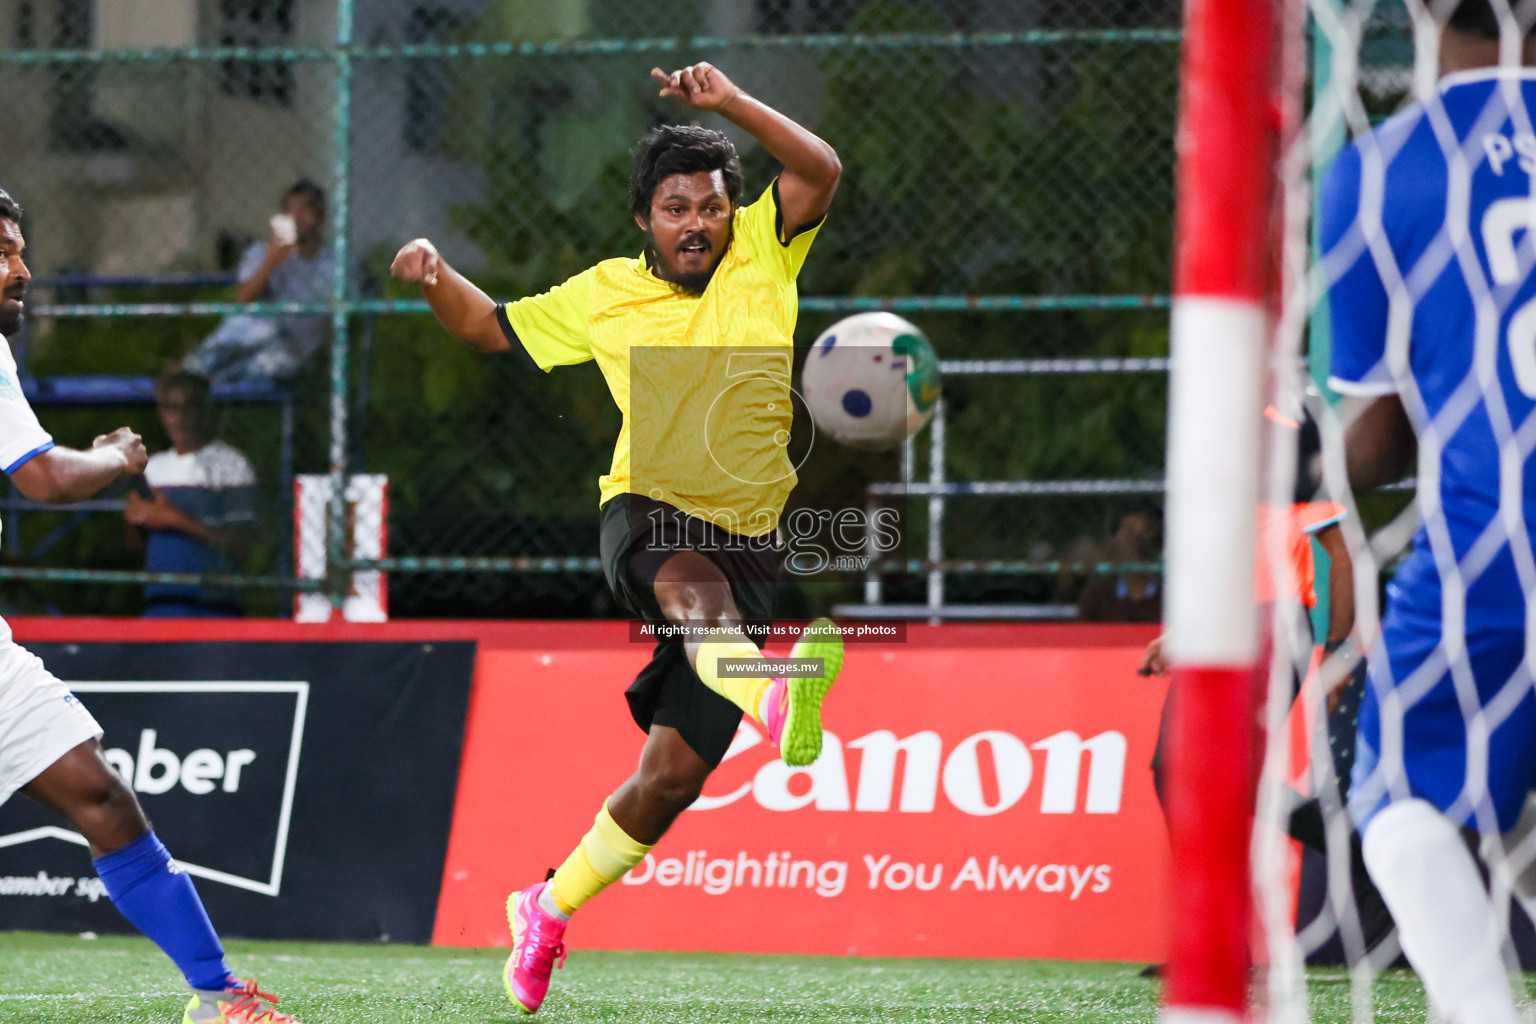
(639, 534)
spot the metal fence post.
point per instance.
(936, 515)
(337, 556)
(873, 588)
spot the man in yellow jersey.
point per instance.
(695, 340)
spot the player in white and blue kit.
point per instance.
(50, 745)
(1431, 260)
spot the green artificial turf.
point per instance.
(53, 979)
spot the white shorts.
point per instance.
(40, 720)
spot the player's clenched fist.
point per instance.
(130, 444)
(416, 263)
(701, 86)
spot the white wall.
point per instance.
(138, 24)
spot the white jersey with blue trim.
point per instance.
(21, 436)
(1428, 231)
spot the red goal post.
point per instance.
(1223, 278)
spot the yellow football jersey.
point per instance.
(703, 382)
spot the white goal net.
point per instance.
(1406, 330)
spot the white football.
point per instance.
(871, 380)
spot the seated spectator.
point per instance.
(1126, 597)
(295, 265)
(203, 510)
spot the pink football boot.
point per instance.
(538, 947)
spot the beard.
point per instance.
(11, 318)
(690, 282)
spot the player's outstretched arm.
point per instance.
(1379, 444)
(63, 475)
(1153, 661)
(811, 166)
(1341, 584)
(463, 309)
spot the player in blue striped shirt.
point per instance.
(1427, 228)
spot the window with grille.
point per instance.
(785, 17)
(258, 24)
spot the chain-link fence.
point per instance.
(1007, 187)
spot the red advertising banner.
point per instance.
(983, 791)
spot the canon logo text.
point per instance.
(971, 782)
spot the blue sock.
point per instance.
(158, 899)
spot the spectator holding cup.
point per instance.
(293, 265)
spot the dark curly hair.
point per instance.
(195, 385)
(683, 149)
(10, 209)
(1480, 18)
(310, 191)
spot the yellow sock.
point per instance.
(605, 853)
(746, 692)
